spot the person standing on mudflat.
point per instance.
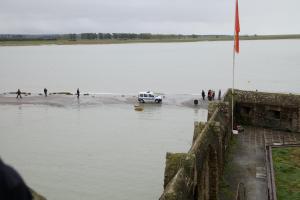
(45, 92)
(19, 94)
(209, 95)
(78, 93)
(203, 95)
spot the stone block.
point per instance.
(173, 164)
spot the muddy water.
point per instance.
(168, 68)
(94, 151)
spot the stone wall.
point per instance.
(196, 174)
(270, 110)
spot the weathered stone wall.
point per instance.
(196, 174)
(271, 110)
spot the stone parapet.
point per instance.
(198, 171)
(196, 174)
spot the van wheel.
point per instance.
(142, 101)
(157, 100)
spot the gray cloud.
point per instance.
(155, 16)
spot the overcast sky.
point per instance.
(151, 16)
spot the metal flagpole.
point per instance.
(233, 66)
(232, 92)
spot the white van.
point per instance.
(149, 97)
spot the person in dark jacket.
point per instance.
(78, 93)
(203, 95)
(19, 94)
(45, 92)
(12, 186)
(209, 95)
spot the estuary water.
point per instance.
(271, 65)
(94, 152)
(88, 149)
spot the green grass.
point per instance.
(287, 172)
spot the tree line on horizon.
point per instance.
(135, 36)
(103, 36)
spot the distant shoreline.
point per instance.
(128, 41)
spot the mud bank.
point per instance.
(63, 100)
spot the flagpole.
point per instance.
(233, 65)
(232, 92)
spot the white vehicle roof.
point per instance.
(149, 92)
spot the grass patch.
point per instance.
(287, 172)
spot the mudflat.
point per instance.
(62, 100)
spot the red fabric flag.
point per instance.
(237, 29)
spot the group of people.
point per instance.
(210, 95)
(45, 93)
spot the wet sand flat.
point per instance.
(186, 100)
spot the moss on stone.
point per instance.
(199, 126)
(228, 182)
(212, 106)
(173, 164)
(188, 164)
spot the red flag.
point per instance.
(237, 29)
